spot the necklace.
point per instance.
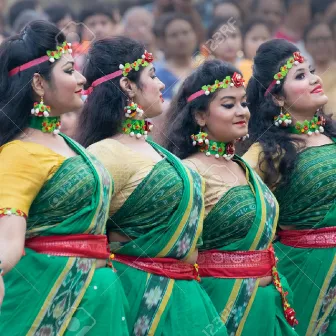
(316, 125)
(46, 124)
(218, 149)
(137, 128)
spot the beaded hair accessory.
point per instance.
(236, 81)
(144, 61)
(296, 59)
(51, 56)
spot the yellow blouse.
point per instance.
(215, 188)
(126, 166)
(24, 168)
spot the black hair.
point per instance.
(181, 120)
(103, 111)
(320, 6)
(289, 3)
(165, 20)
(96, 9)
(277, 143)
(18, 7)
(16, 92)
(252, 23)
(229, 2)
(58, 12)
(311, 26)
(219, 22)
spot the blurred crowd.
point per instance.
(183, 33)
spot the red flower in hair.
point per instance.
(298, 57)
(148, 56)
(237, 80)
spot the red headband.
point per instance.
(28, 65)
(51, 56)
(236, 81)
(293, 60)
(102, 80)
(144, 61)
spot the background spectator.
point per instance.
(227, 9)
(63, 17)
(255, 33)
(138, 25)
(178, 41)
(272, 11)
(20, 6)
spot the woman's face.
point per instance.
(303, 91)
(227, 47)
(320, 43)
(257, 35)
(228, 115)
(149, 96)
(63, 92)
(180, 39)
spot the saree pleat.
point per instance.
(164, 216)
(245, 219)
(53, 295)
(309, 202)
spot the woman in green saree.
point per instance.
(296, 157)
(54, 200)
(157, 206)
(236, 262)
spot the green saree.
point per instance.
(244, 219)
(309, 202)
(164, 216)
(56, 295)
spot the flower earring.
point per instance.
(200, 139)
(133, 109)
(40, 110)
(283, 119)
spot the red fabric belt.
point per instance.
(314, 238)
(166, 267)
(77, 245)
(237, 265)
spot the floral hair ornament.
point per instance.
(144, 61)
(235, 81)
(51, 56)
(296, 59)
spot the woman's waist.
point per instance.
(309, 238)
(236, 264)
(118, 240)
(162, 266)
(75, 245)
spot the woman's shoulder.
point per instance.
(23, 149)
(109, 146)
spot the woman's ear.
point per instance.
(278, 100)
(128, 87)
(201, 118)
(38, 84)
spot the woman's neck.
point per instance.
(301, 116)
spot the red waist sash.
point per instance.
(245, 264)
(77, 245)
(313, 238)
(237, 264)
(166, 267)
